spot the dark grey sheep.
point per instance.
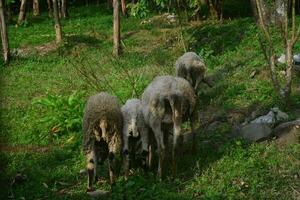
(102, 126)
(168, 100)
(135, 132)
(191, 67)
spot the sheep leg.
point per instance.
(113, 149)
(145, 148)
(126, 153)
(156, 127)
(91, 168)
(111, 167)
(176, 136)
(197, 83)
(193, 125)
(150, 157)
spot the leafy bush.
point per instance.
(63, 113)
(139, 9)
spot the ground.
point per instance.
(45, 87)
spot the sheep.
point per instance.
(102, 126)
(168, 100)
(192, 68)
(135, 130)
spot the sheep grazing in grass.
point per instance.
(135, 133)
(168, 100)
(192, 68)
(102, 126)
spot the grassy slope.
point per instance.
(221, 169)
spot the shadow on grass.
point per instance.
(218, 37)
(79, 42)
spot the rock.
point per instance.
(265, 119)
(281, 59)
(83, 172)
(253, 74)
(296, 58)
(297, 67)
(288, 136)
(274, 116)
(99, 194)
(213, 126)
(279, 115)
(254, 132)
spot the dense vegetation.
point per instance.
(44, 90)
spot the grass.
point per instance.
(221, 168)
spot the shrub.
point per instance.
(63, 113)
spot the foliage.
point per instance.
(139, 9)
(63, 113)
(220, 169)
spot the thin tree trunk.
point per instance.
(57, 26)
(59, 8)
(64, 9)
(4, 37)
(36, 7)
(50, 10)
(123, 6)
(22, 13)
(254, 10)
(116, 29)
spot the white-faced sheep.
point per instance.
(168, 100)
(102, 126)
(192, 68)
(135, 133)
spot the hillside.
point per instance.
(44, 89)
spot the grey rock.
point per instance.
(255, 132)
(296, 58)
(265, 119)
(274, 116)
(282, 59)
(279, 115)
(83, 172)
(214, 125)
(99, 194)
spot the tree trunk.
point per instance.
(59, 8)
(50, 11)
(281, 11)
(4, 34)
(116, 29)
(254, 10)
(57, 26)
(64, 9)
(22, 13)
(123, 6)
(36, 7)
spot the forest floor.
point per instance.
(45, 87)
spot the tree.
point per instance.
(36, 7)
(57, 26)
(64, 9)
(289, 36)
(22, 12)
(123, 6)
(50, 10)
(116, 28)
(4, 36)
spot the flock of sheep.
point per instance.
(166, 103)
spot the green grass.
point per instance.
(221, 168)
